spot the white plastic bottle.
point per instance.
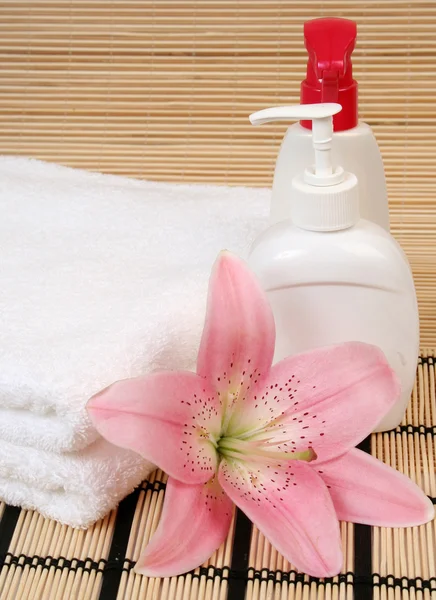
(329, 78)
(331, 276)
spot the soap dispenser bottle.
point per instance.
(330, 42)
(330, 275)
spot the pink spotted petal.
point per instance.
(237, 346)
(329, 399)
(365, 490)
(165, 417)
(291, 506)
(194, 523)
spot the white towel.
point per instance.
(101, 278)
(77, 488)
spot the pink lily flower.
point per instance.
(278, 441)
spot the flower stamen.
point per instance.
(236, 448)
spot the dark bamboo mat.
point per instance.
(42, 560)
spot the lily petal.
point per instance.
(291, 506)
(195, 521)
(237, 345)
(365, 490)
(169, 418)
(329, 399)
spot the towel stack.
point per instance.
(101, 278)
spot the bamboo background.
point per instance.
(162, 90)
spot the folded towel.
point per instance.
(77, 488)
(101, 278)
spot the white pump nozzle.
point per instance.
(322, 134)
(295, 111)
(323, 198)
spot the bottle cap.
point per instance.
(329, 77)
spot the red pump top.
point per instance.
(329, 77)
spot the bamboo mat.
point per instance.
(42, 560)
(161, 89)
